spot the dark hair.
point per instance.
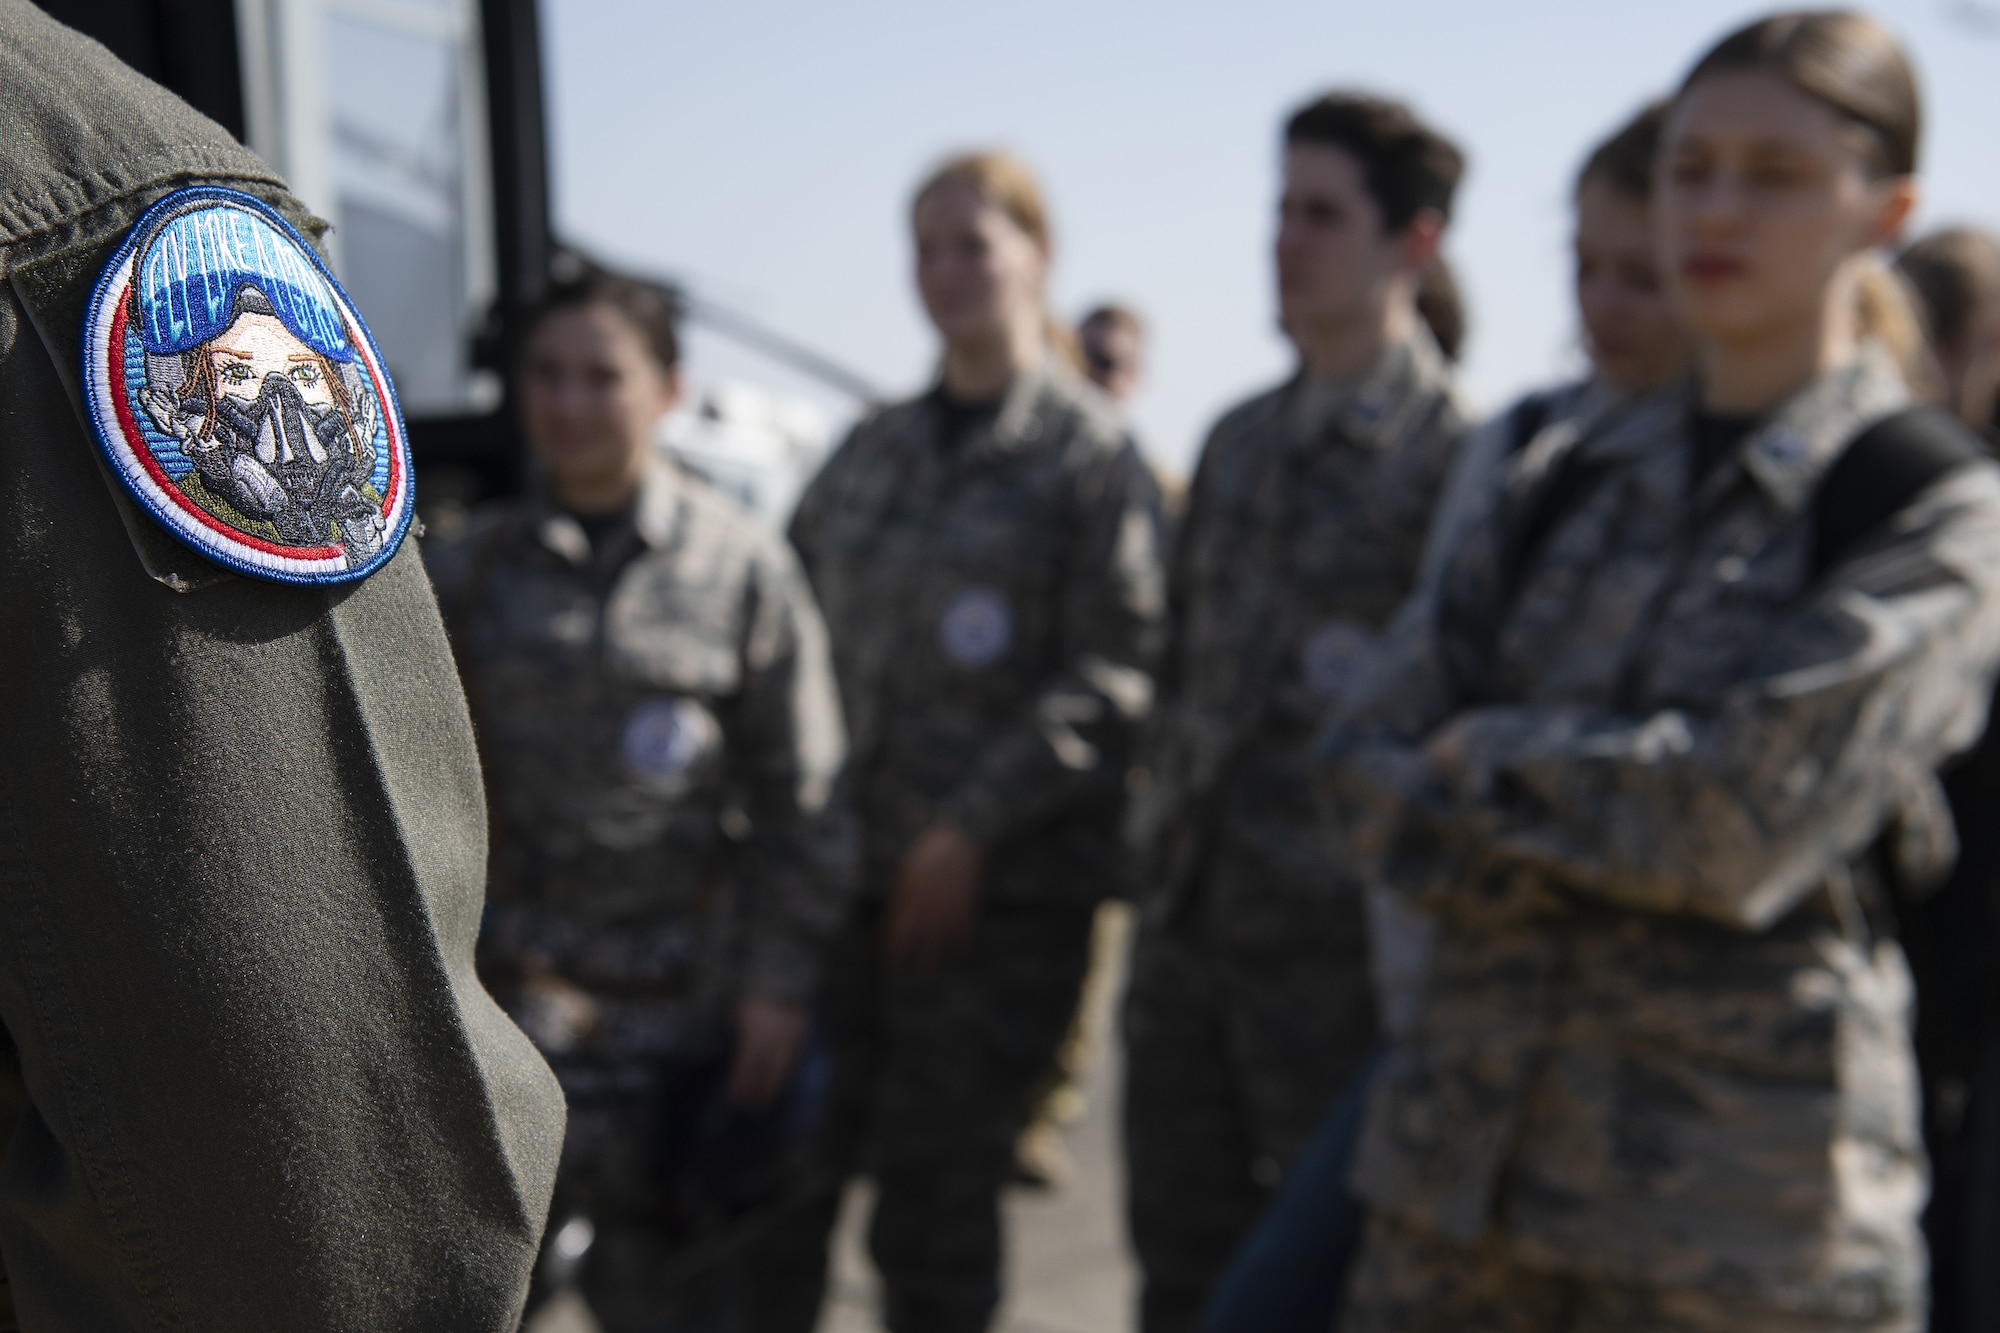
(653, 309)
(1442, 307)
(1954, 272)
(1118, 315)
(1408, 165)
(1625, 160)
(1846, 60)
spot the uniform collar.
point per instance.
(1791, 451)
(1018, 424)
(656, 517)
(1372, 411)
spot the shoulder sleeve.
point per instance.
(1074, 742)
(787, 752)
(1880, 674)
(242, 857)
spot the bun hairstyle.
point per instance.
(1625, 160)
(651, 308)
(1006, 182)
(1956, 274)
(1441, 305)
(1855, 66)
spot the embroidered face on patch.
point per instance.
(239, 398)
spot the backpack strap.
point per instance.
(1528, 522)
(1887, 466)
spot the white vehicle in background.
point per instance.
(757, 444)
(416, 128)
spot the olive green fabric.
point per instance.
(242, 853)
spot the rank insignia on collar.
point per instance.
(237, 395)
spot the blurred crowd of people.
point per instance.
(1539, 831)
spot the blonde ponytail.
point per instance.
(1063, 342)
(1885, 309)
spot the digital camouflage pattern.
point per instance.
(1251, 1004)
(661, 738)
(995, 602)
(1415, 1281)
(1400, 937)
(1662, 1045)
(1304, 532)
(662, 742)
(996, 605)
(933, 1078)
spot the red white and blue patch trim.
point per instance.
(239, 397)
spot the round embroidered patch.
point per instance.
(663, 737)
(239, 398)
(1333, 655)
(977, 628)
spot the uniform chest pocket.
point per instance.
(996, 565)
(1732, 596)
(539, 618)
(676, 636)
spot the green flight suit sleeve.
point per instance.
(241, 868)
(241, 852)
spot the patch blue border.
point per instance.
(88, 351)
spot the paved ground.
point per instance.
(1067, 1267)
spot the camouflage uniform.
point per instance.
(1251, 1004)
(661, 738)
(1401, 937)
(993, 602)
(1664, 1067)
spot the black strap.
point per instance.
(1528, 524)
(1886, 468)
(1875, 478)
(1528, 418)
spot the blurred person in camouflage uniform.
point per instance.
(987, 555)
(1956, 274)
(1112, 338)
(1250, 1004)
(1638, 347)
(661, 739)
(1290, 1272)
(1954, 940)
(1686, 668)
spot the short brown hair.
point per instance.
(1441, 306)
(1408, 165)
(1625, 160)
(653, 309)
(1955, 272)
(1118, 315)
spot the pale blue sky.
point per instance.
(765, 151)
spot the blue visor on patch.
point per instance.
(190, 273)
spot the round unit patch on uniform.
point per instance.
(1333, 655)
(238, 396)
(663, 737)
(976, 629)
